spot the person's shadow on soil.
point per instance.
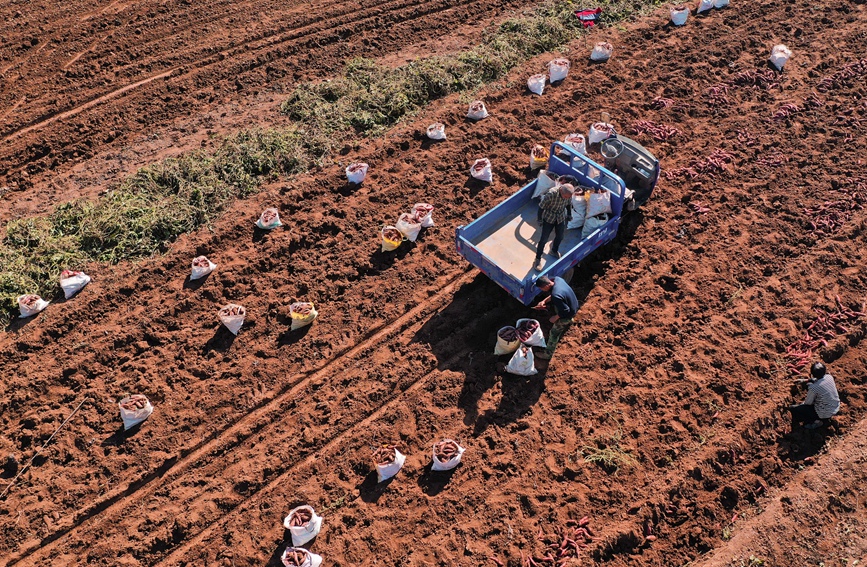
(800, 443)
(462, 336)
(433, 482)
(370, 490)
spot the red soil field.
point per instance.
(678, 360)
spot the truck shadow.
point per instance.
(463, 334)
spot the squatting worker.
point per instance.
(553, 210)
(822, 400)
(565, 305)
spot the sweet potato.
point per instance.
(384, 455)
(269, 215)
(508, 334)
(296, 557)
(445, 451)
(232, 310)
(300, 517)
(135, 402)
(392, 234)
(301, 308)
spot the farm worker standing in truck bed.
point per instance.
(565, 304)
(822, 400)
(553, 210)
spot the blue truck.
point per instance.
(502, 242)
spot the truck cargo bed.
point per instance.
(502, 242)
(511, 242)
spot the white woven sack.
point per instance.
(438, 465)
(601, 51)
(385, 472)
(481, 170)
(720, 3)
(599, 203)
(536, 84)
(132, 417)
(409, 226)
(303, 534)
(704, 6)
(71, 282)
(679, 15)
(424, 211)
(598, 132)
(269, 219)
(477, 110)
(576, 141)
(537, 339)
(591, 224)
(436, 131)
(503, 346)
(356, 172)
(311, 559)
(779, 56)
(30, 305)
(523, 363)
(301, 320)
(558, 69)
(232, 321)
(579, 211)
(202, 267)
(545, 181)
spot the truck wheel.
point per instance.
(567, 275)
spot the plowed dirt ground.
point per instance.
(678, 364)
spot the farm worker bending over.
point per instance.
(822, 399)
(565, 305)
(553, 210)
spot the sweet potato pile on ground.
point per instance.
(135, 402)
(445, 451)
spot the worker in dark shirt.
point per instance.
(565, 305)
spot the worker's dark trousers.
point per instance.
(803, 413)
(559, 231)
(557, 331)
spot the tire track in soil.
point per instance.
(88, 105)
(262, 417)
(360, 20)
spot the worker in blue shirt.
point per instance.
(565, 305)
